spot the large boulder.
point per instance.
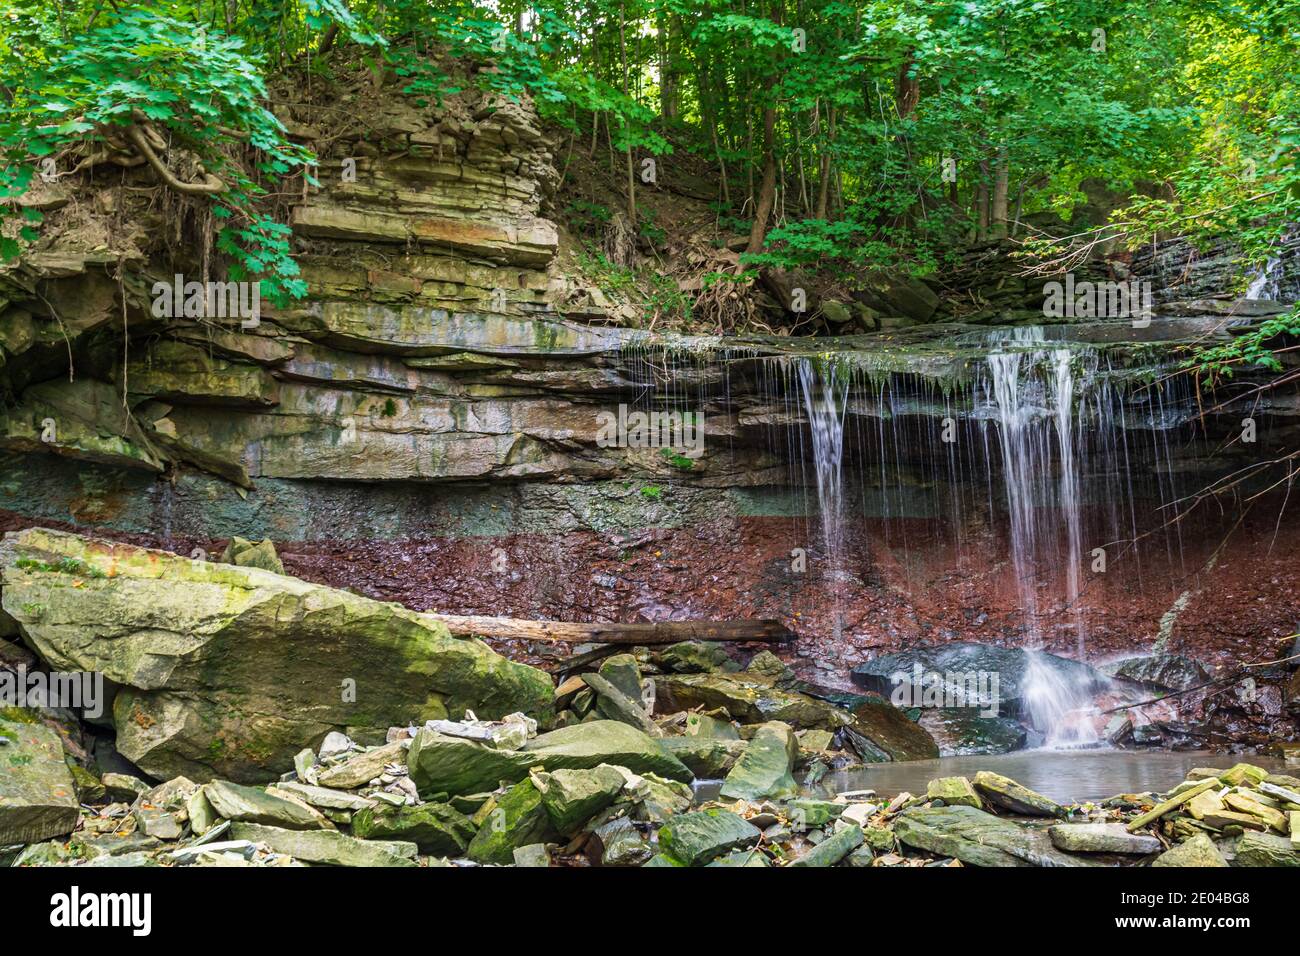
(938, 676)
(1161, 671)
(765, 768)
(227, 671)
(696, 838)
(38, 798)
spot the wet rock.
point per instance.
(1101, 838)
(249, 662)
(958, 662)
(962, 731)
(1006, 793)
(516, 818)
(978, 838)
(437, 829)
(159, 824)
(1199, 850)
(38, 798)
(814, 741)
(765, 767)
(833, 849)
(327, 846)
(1265, 849)
(1243, 774)
(954, 792)
(1160, 671)
(618, 843)
(251, 805)
(708, 758)
(890, 732)
(1117, 728)
(572, 797)
(696, 838)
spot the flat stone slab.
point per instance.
(1101, 838)
(980, 839)
(327, 846)
(38, 798)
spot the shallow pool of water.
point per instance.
(1063, 775)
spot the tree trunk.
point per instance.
(982, 203)
(767, 189)
(1001, 181)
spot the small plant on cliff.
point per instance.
(145, 88)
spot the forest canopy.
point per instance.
(845, 133)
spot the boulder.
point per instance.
(246, 554)
(437, 829)
(978, 838)
(1160, 671)
(572, 797)
(963, 732)
(896, 293)
(588, 745)
(953, 791)
(692, 657)
(1006, 793)
(880, 731)
(1101, 838)
(1199, 850)
(618, 843)
(516, 819)
(958, 662)
(613, 704)
(327, 847)
(833, 849)
(251, 805)
(692, 839)
(442, 764)
(1265, 849)
(226, 671)
(38, 797)
(710, 758)
(749, 698)
(622, 671)
(765, 767)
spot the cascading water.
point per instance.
(1033, 390)
(824, 396)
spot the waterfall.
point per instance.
(1033, 389)
(824, 398)
(1267, 284)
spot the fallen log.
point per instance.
(658, 632)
